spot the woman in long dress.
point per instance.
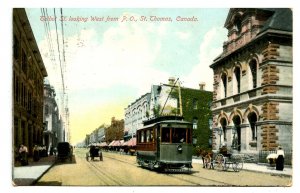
(280, 159)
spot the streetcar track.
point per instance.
(207, 179)
(99, 174)
(109, 176)
(177, 177)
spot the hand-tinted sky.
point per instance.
(108, 65)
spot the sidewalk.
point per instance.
(264, 168)
(28, 175)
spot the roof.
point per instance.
(21, 15)
(166, 122)
(282, 19)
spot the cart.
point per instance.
(229, 160)
(94, 152)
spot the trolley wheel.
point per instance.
(219, 162)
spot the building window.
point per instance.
(16, 47)
(252, 118)
(237, 73)
(195, 123)
(24, 62)
(238, 24)
(210, 123)
(46, 110)
(224, 81)
(195, 104)
(253, 69)
(223, 123)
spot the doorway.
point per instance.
(237, 131)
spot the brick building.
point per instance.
(28, 77)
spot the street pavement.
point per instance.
(29, 175)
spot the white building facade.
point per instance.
(136, 113)
(52, 133)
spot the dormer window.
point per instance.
(238, 25)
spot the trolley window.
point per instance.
(142, 136)
(179, 135)
(165, 133)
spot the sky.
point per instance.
(112, 61)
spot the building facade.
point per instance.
(194, 105)
(115, 131)
(136, 113)
(28, 77)
(52, 123)
(253, 81)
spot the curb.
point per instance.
(37, 179)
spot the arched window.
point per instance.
(252, 118)
(223, 123)
(237, 74)
(253, 69)
(236, 139)
(238, 24)
(224, 81)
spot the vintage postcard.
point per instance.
(134, 97)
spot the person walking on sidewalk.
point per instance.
(280, 159)
(36, 154)
(23, 151)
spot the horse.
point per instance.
(207, 156)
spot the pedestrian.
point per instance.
(280, 159)
(36, 155)
(55, 151)
(23, 151)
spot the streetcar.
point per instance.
(165, 144)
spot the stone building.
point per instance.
(253, 81)
(28, 77)
(52, 123)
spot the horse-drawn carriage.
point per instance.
(223, 159)
(94, 152)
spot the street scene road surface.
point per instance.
(122, 170)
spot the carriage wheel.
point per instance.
(238, 164)
(226, 164)
(219, 162)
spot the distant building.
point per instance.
(52, 123)
(253, 81)
(28, 77)
(136, 113)
(115, 131)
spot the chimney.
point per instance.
(202, 86)
(171, 81)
